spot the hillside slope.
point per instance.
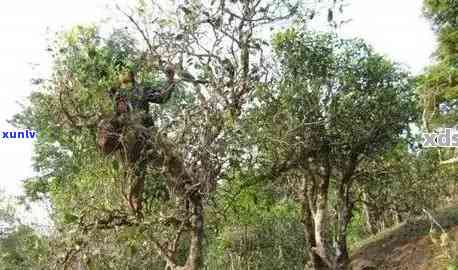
(408, 246)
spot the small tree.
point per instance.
(336, 104)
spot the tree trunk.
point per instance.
(194, 261)
(315, 261)
(322, 255)
(342, 260)
(315, 228)
(371, 224)
(344, 212)
(322, 238)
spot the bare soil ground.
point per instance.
(408, 246)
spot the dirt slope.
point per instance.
(408, 246)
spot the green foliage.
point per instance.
(82, 185)
(342, 90)
(260, 228)
(23, 249)
(400, 184)
(439, 84)
(334, 96)
(442, 12)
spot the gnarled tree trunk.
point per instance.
(323, 255)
